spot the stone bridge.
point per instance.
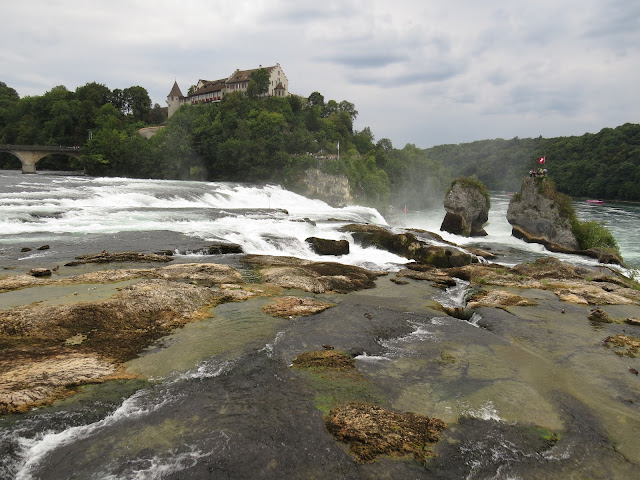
(29, 155)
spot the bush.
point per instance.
(593, 235)
(564, 203)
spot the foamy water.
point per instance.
(266, 220)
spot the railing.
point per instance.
(40, 148)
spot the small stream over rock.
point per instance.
(225, 402)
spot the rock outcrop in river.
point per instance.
(408, 245)
(467, 205)
(538, 215)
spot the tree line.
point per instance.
(256, 138)
(602, 165)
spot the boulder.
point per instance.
(323, 246)
(220, 249)
(40, 272)
(537, 215)
(408, 245)
(467, 205)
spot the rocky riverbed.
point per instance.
(531, 374)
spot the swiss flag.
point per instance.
(541, 160)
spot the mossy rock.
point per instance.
(371, 431)
(324, 359)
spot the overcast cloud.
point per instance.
(418, 71)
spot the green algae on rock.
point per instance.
(324, 359)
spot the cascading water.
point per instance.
(268, 220)
(212, 419)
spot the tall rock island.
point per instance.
(538, 214)
(467, 204)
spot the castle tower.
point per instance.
(173, 99)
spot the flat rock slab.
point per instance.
(107, 257)
(288, 307)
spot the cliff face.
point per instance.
(467, 210)
(537, 217)
(333, 189)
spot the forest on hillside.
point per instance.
(598, 165)
(252, 138)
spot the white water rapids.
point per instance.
(262, 219)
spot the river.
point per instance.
(217, 399)
(77, 214)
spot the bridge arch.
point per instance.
(29, 155)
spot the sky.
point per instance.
(426, 72)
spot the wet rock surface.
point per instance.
(109, 257)
(522, 396)
(27, 382)
(87, 340)
(571, 284)
(498, 298)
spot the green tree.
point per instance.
(315, 99)
(259, 83)
(137, 102)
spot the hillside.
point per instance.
(601, 165)
(254, 139)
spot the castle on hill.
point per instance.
(206, 91)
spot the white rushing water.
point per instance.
(264, 219)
